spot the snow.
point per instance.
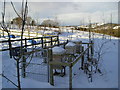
(70, 44)
(76, 40)
(58, 50)
(108, 65)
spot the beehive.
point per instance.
(58, 56)
(78, 45)
(70, 48)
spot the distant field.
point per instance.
(115, 32)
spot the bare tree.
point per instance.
(23, 17)
(103, 26)
(5, 29)
(111, 26)
(100, 50)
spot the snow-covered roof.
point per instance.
(76, 40)
(58, 50)
(70, 44)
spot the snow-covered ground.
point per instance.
(108, 66)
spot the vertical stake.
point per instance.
(51, 67)
(70, 77)
(82, 63)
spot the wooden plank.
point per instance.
(37, 50)
(59, 63)
(86, 43)
(80, 56)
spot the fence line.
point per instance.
(44, 41)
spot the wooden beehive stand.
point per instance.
(68, 62)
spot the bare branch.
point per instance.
(15, 10)
(8, 79)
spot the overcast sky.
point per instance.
(68, 13)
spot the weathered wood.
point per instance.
(51, 67)
(25, 43)
(82, 62)
(49, 58)
(42, 42)
(88, 52)
(70, 77)
(80, 56)
(26, 39)
(59, 63)
(92, 49)
(58, 40)
(51, 41)
(86, 43)
(45, 55)
(23, 64)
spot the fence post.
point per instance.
(88, 51)
(42, 42)
(51, 67)
(58, 40)
(51, 41)
(92, 49)
(82, 63)
(70, 77)
(25, 43)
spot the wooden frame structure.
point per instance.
(69, 64)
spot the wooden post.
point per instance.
(88, 51)
(82, 63)
(51, 41)
(45, 55)
(92, 49)
(70, 77)
(58, 40)
(10, 47)
(25, 43)
(67, 40)
(23, 66)
(48, 59)
(51, 67)
(42, 42)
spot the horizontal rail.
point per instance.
(80, 56)
(71, 63)
(27, 45)
(37, 50)
(28, 39)
(59, 63)
(87, 43)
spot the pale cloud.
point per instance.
(65, 0)
(80, 18)
(69, 13)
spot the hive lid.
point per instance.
(58, 50)
(70, 44)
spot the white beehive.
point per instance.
(70, 48)
(58, 56)
(78, 45)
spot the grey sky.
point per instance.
(68, 13)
